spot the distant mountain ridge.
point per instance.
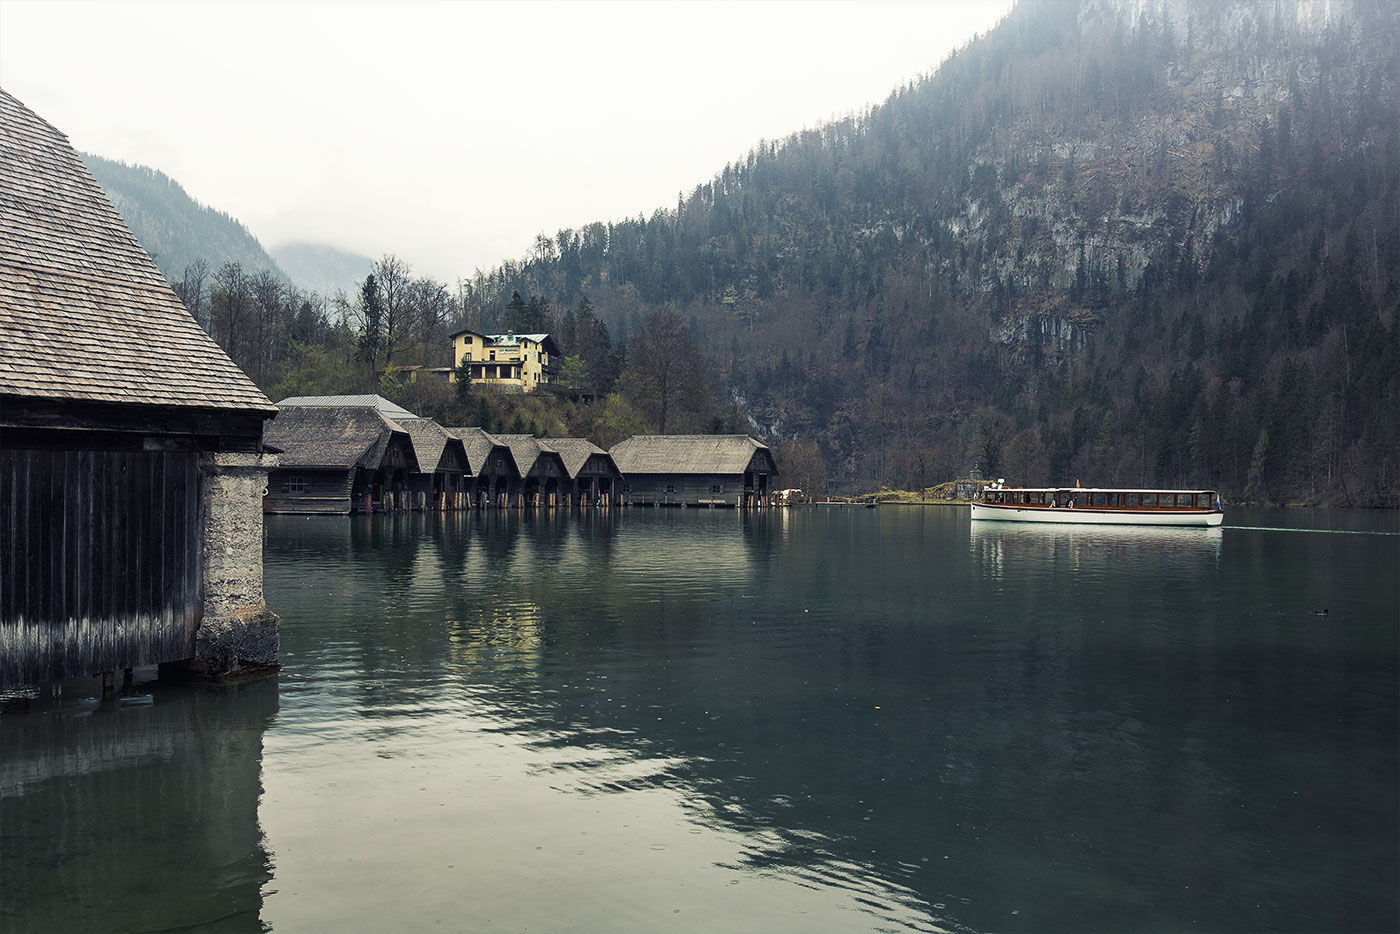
(173, 227)
(321, 268)
(1144, 241)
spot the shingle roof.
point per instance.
(324, 436)
(85, 315)
(526, 449)
(574, 452)
(430, 440)
(699, 454)
(478, 444)
(383, 405)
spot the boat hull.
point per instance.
(1087, 515)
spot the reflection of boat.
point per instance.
(1075, 506)
(1105, 550)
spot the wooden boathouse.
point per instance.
(338, 459)
(493, 472)
(592, 475)
(540, 468)
(443, 470)
(131, 455)
(694, 470)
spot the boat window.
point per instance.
(1113, 499)
(1184, 500)
(1081, 499)
(1149, 500)
(1040, 499)
(1130, 499)
(1098, 499)
(1203, 501)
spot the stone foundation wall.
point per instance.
(238, 631)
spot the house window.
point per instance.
(627, 488)
(295, 485)
(717, 488)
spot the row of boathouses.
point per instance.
(344, 454)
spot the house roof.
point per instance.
(511, 340)
(325, 436)
(381, 404)
(574, 452)
(688, 454)
(85, 315)
(430, 441)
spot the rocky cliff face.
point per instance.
(1125, 152)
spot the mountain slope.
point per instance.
(174, 228)
(1134, 242)
(323, 269)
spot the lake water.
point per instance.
(817, 719)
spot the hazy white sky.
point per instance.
(452, 133)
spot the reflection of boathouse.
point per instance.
(694, 470)
(131, 457)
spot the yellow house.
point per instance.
(523, 361)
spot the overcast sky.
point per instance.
(452, 133)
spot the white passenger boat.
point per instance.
(1089, 506)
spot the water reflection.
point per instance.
(822, 719)
(135, 814)
(1097, 550)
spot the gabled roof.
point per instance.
(574, 452)
(85, 315)
(478, 444)
(332, 437)
(430, 442)
(379, 403)
(682, 454)
(527, 451)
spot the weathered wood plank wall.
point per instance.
(101, 564)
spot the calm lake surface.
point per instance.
(817, 719)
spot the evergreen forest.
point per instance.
(1119, 243)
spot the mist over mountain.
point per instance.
(173, 227)
(321, 268)
(1128, 241)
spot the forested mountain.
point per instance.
(1122, 241)
(321, 268)
(173, 227)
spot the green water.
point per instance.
(818, 719)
